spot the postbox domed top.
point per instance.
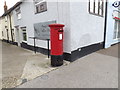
(56, 25)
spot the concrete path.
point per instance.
(20, 65)
(97, 70)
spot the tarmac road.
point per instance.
(96, 70)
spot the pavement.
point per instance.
(0, 65)
(96, 70)
(20, 65)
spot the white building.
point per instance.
(7, 25)
(0, 28)
(89, 25)
(113, 23)
(84, 25)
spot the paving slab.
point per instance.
(112, 51)
(0, 65)
(20, 65)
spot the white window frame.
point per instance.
(24, 30)
(18, 13)
(2, 34)
(6, 18)
(38, 3)
(116, 29)
(96, 7)
(19, 16)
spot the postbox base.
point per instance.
(56, 60)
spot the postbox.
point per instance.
(56, 38)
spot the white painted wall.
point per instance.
(6, 23)
(12, 24)
(64, 18)
(56, 11)
(86, 29)
(0, 28)
(8, 27)
(81, 28)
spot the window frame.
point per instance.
(2, 34)
(116, 30)
(38, 6)
(18, 12)
(24, 31)
(19, 16)
(6, 18)
(13, 34)
(94, 8)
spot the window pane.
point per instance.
(37, 9)
(91, 5)
(101, 7)
(19, 15)
(115, 30)
(24, 34)
(6, 18)
(2, 33)
(42, 6)
(118, 29)
(119, 12)
(24, 37)
(96, 6)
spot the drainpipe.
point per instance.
(105, 24)
(11, 27)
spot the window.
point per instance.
(5, 26)
(6, 18)
(116, 30)
(96, 7)
(40, 6)
(13, 34)
(2, 33)
(18, 13)
(119, 29)
(24, 34)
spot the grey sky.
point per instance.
(10, 3)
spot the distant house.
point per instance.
(86, 25)
(7, 25)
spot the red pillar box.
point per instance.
(56, 38)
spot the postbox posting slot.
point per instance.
(60, 31)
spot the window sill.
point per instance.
(96, 14)
(19, 19)
(24, 41)
(40, 12)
